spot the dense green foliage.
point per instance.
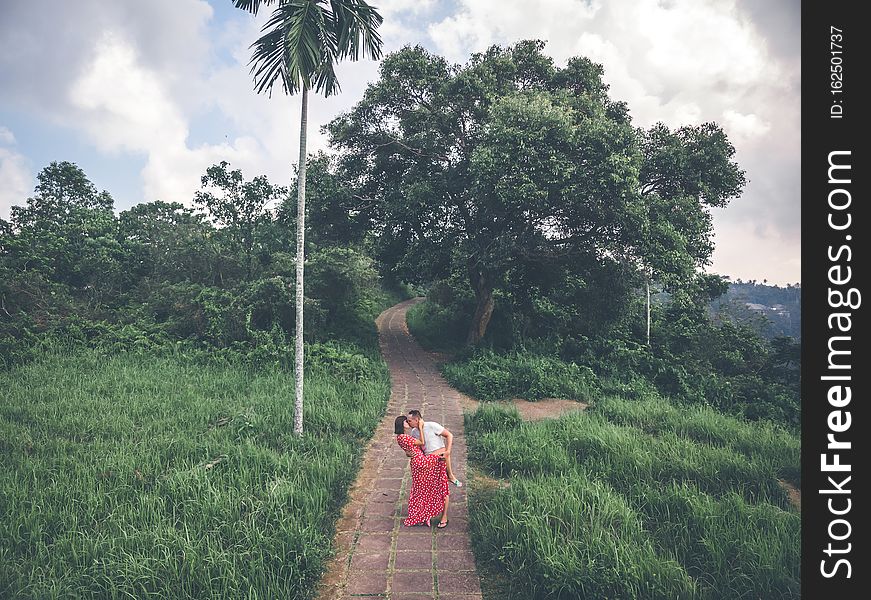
(492, 376)
(692, 359)
(636, 500)
(133, 475)
(146, 421)
(541, 216)
(163, 277)
(509, 172)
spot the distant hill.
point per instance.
(772, 310)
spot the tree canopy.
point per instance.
(510, 160)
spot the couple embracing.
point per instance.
(428, 445)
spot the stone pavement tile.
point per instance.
(457, 525)
(460, 596)
(369, 561)
(394, 472)
(413, 560)
(457, 517)
(378, 524)
(452, 542)
(383, 495)
(411, 596)
(458, 582)
(400, 462)
(413, 582)
(413, 543)
(388, 482)
(458, 496)
(371, 582)
(373, 542)
(381, 509)
(414, 530)
(462, 560)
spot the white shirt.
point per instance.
(432, 436)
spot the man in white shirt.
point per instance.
(437, 439)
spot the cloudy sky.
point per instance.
(144, 96)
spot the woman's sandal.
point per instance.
(442, 525)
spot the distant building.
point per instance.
(778, 310)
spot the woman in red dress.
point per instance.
(429, 479)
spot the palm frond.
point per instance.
(303, 40)
(251, 6)
(356, 25)
(326, 80)
(290, 48)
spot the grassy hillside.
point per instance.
(136, 476)
(635, 499)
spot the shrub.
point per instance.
(491, 376)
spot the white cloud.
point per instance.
(6, 136)
(16, 178)
(744, 127)
(124, 105)
(128, 101)
(765, 254)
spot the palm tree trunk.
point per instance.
(647, 280)
(300, 262)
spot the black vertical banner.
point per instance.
(835, 372)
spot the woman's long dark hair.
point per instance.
(399, 425)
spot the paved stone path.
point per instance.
(376, 556)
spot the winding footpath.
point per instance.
(376, 556)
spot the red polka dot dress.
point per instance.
(429, 483)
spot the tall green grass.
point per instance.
(488, 375)
(573, 536)
(133, 476)
(626, 502)
(706, 425)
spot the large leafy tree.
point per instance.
(239, 208)
(684, 173)
(335, 215)
(65, 235)
(165, 242)
(300, 45)
(476, 168)
(511, 161)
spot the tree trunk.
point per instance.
(300, 262)
(484, 310)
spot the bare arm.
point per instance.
(450, 440)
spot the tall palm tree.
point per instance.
(300, 45)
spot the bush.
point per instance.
(489, 418)
(436, 326)
(491, 376)
(339, 360)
